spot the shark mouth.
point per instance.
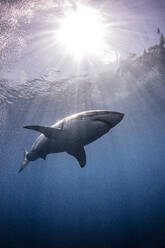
(105, 122)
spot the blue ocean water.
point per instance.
(118, 199)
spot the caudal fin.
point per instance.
(25, 162)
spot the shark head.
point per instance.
(109, 117)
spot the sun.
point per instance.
(82, 32)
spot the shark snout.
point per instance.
(114, 118)
(121, 116)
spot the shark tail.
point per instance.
(25, 162)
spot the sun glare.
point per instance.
(82, 32)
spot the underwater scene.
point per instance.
(87, 78)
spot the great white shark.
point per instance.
(71, 134)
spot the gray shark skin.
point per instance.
(71, 135)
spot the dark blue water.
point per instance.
(118, 199)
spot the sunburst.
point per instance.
(82, 32)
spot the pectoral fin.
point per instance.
(80, 155)
(49, 132)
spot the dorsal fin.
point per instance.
(79, 154)
(49, 132)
